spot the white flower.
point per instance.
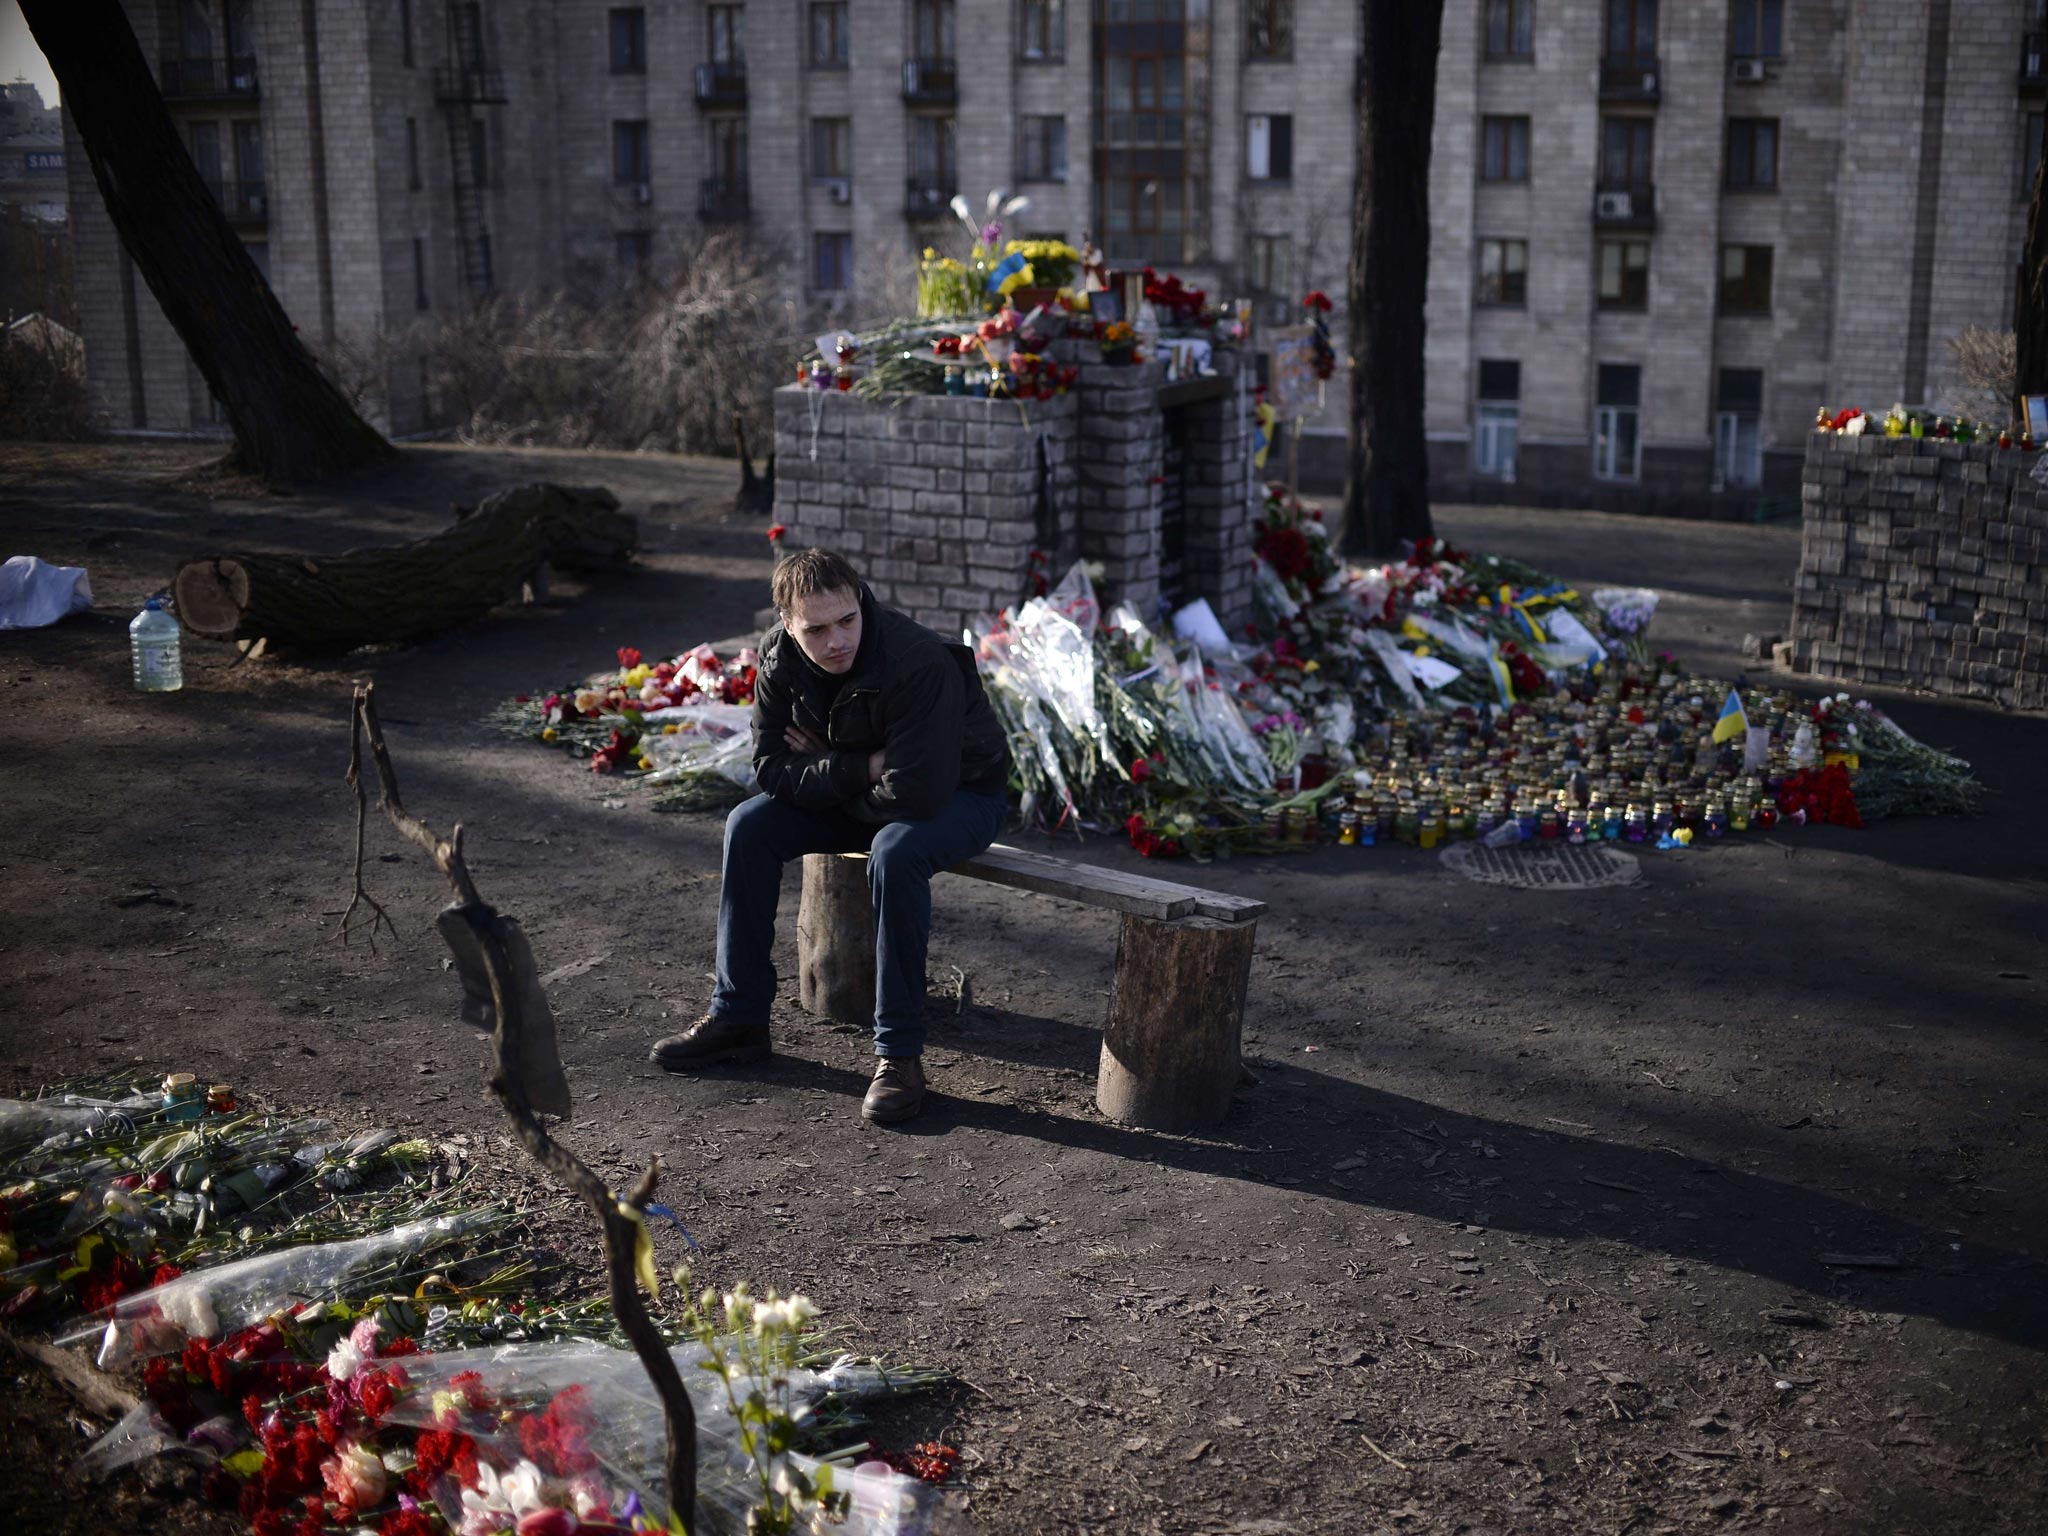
(350, 1354)
(485, 1508)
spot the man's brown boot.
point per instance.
(897, 1093)
(710, 1041)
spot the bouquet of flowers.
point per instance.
(943, 288)
(1052, 263)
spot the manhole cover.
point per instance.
(1546, 866)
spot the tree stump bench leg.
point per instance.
(835, 941)
(1170, 1057)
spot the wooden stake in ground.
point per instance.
(1171, 1054)
(393, 593)
(290, 421)
(835, 941)
(522, 1086)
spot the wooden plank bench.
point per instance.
(1170, 1053)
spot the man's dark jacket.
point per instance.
(908, 691)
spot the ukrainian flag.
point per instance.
(1734, 719)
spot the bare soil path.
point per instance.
(1521, 1228)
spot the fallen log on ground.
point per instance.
(393, 593)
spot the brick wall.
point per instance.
(1923, 566)
(940, 500)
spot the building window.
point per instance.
(1148, 170)
(1504, 145)
(1745, 279)
(203, 139)
(629, 40)
(249, 167)
(405, 31)
(412, 154)
(1043, 30)
(1269, 147)
(419, 273)
(631, 161)
(1504, 272)
(1738, 430)
(831, 262)
(729, 152)
(1617, 436)
(1757, 29)
(2036, 133)
(1510, 29)
(831, 146)
(479, 153)
(931, 29)
(1624, 274)
(1269, 29)
(259, 252)
(935, 159)
(726, 35)
(1625, 152)
(1752, 154)
(1269, 269)
(634, 249)
(1631, 31)
(486, 275)
(1043, 149)
(1497, 430)
(829, 37)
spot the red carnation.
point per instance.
(1141, 770)
(775, 532)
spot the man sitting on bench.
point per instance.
(871, 734)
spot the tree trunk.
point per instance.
(1171, 1054)
(398, 592)
(835, 941)
(2030, 315)
(1386, 470)
(290, 422)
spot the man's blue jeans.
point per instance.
(764, 834)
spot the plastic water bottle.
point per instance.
(1506, 835)
(153, 648)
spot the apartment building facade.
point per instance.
(1662, 236)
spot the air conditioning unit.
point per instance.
(1748, 71)
(839, 188)
(643, 193)
(1614, 205)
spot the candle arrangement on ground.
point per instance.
(351, 1336)
(1447, 695)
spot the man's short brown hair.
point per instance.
(809, 571)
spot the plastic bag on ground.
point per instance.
(711, 738)
(34, 593)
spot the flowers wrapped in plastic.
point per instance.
(205, 1303)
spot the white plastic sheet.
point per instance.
(34, 593)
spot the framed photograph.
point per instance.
(1106, 305)
(2037, 416)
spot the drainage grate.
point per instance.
(1547, 866)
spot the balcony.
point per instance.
(468, 84)
(722, 84)
(206, 80)
(931, 83)
(1633, 206)
(1631, 78)
(2034, 63)
(722, 200)
(928, 197)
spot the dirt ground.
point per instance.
(1521, 1228)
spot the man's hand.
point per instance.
(801, 740)
(875, 765)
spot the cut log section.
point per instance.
(1176, 1018)
(835, 941)
(399, 592)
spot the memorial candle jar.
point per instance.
(1575, 827)
(1636, 826)
(1717, 817)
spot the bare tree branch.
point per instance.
(622, 1217)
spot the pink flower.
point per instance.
(354, 1477)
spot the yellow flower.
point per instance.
(549, 734)
(929, 253)
(646, 762)
(1311, 666)
(670, 729)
